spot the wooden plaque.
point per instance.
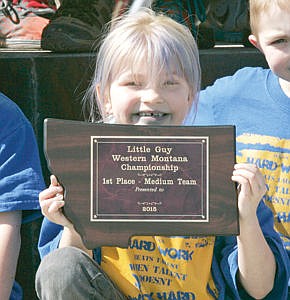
(125, 180)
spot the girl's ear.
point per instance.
(191, 98)
(107, 107)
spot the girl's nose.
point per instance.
(151, 95)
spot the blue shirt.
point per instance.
(253, 100)
(21, 177)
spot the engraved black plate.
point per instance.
(149, 178)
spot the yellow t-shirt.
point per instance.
(275, 165)
(157, 267)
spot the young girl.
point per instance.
(147, 72)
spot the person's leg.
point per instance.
(69, 273)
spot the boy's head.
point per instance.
(259, 9)
(147, 43)
(270, 24)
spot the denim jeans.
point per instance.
(69, 273)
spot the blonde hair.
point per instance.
(258, 7)
(143, 36)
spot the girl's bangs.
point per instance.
(156, 57)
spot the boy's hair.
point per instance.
(259, 7)
(143, 37)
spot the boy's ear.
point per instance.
(254, 41)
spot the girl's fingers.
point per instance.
(247, 166)
(243, 184)
(47, 203)
(251, 172)
(250, 178)
(54, 181)
(55, 206)
(51, 192)
(51, 201)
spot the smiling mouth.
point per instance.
(151, 114)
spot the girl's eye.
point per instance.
(169, 82)
(131, 83)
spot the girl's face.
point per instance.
(134, 99)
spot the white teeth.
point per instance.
(150, 114)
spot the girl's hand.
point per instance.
(251, 189)
(51, 203)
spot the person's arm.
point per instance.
(10, 223)
(257, 266)
(51, 202)
(256, 261)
